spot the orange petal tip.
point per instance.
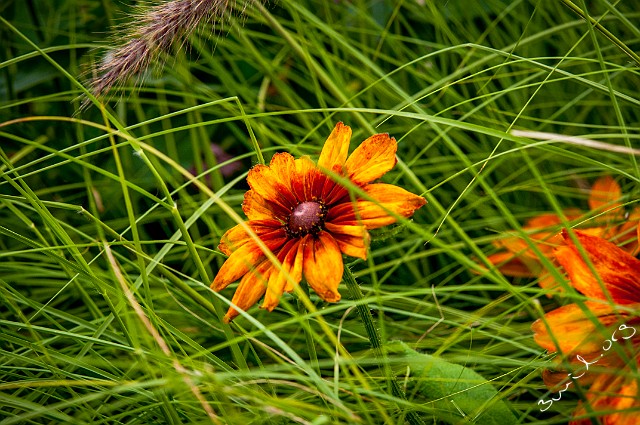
(331, 297)
(269, 307)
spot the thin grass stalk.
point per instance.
(311, 346)
(131, 217)
(597, 25)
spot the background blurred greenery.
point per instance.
(103, 225)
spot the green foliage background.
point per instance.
(103, 224)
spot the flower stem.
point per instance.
(376, 342)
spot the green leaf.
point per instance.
(456, 393)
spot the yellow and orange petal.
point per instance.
(255, 207)
(290, 256)
(335, 149)
(570, 330)
(302, 184)
(252, 287)
(352, 240)
(245, 252)
(617, 271)
(308, 220)
(372, 159)
(237, 236)
(322, 265)
(276, 196)
(390, 201)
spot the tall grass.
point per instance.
(110, 215)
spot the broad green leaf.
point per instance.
(458, 394)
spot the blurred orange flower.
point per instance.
(603, 334)
(308, 220)
(517, 258)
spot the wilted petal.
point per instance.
(251, 288)
(335, 149)
(352, 240)
(290, 256)
(619, 272)
(322, 265)
(391, 201)
(372, 159)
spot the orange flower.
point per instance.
(604, 338)
(518, 259)
(308, 220)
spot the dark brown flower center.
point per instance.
(307, 217)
